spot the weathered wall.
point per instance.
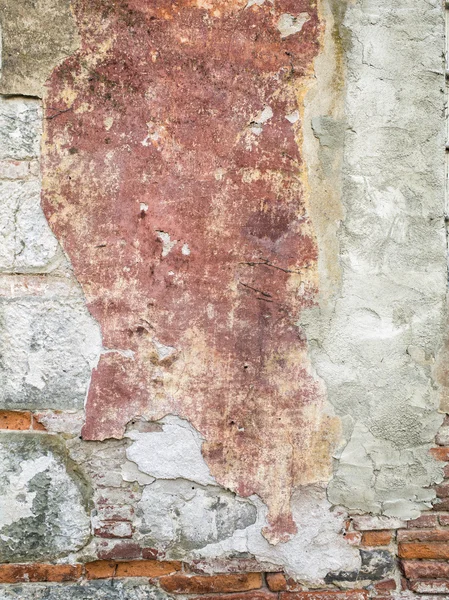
(223, 287)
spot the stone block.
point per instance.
(92, 590)
(43, 500)
(27, 243)
(48, 348)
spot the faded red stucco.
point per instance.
(150, 131)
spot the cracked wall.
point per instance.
(223, 281)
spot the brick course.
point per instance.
(199, 584)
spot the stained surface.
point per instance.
(173, 180)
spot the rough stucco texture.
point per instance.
(172, 179)
(229, 307)
(376, 350)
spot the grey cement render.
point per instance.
(375, 339)
(43, 499)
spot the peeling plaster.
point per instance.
(318, 549)
(289, 24)
(174, 452)
(229, 308)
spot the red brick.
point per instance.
(417, 569)
(114, 529)
(423, 521)
(442, 504)
(354, 538)
(15, 420)
(376, 538)
(106, 569)
(152, 554)
(147, 568)
(39, 572)
(203, 584)
(385, 586)
(442, 490)
(446, 471)
(118, 550)
(423, 535)
(100, 569)
(444, 519)
(36, 425)
(421, 550)
(325, 595)
(276, 582)
(441, 453)
(430, 586)
(253, 595)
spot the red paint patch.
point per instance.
(179, 201)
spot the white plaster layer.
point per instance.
(174, 452)
(182, 520)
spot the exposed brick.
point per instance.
(118, 550)
(100, 569)
(446, 471)
(39, 572)
(354, 538)
(15, 420)
(276, 582)
(376, 538)
(114, 529)
(106, 569)
(36, 425)
(421, 550)
(146, 568)
(442, 504)
(444, 519)
(325, 595)
(442, 490)
(202, 584)
(385, 586)
(441, 453)
(423, 521)
(416, 569)
(252, 595)
(370, 523)
(423, 535)
(430, 586)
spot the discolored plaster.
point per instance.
(256, 221)
(175, 185)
